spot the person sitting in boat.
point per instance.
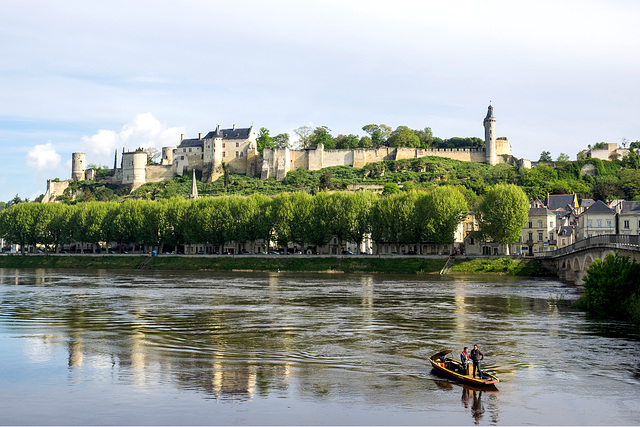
(476, 356)
(464, 358)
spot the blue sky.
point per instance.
(94, 76)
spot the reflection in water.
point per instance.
(317, 338)
(477, 408)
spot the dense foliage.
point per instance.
(612, 287)
(407, 217)
(605, 180)
(503, 212)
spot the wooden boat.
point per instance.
(453, 369)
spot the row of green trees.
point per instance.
(377, 135)
(408, 217)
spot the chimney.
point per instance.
(200, 135)
(234, 126)
(181, 137)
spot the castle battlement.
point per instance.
(237, 148)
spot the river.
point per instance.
(153, 348)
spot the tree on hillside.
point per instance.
(303, 133)
(321, 135)
(425, 136)
(264, 140)
(281, 140)
(152, 154)
(503, 212)
(347, 141)
(379, 133)
(631, 160)
(545, 156)
(403, 137)
(562, 157)
(365, 142)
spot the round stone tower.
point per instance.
(78, 166)
(167, 155)
(490, 137)
(139, 168)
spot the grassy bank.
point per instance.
(507, 266)
(70, 261)
(227, 263)
(373, 264)
(293, 263)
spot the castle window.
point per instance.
(189, 149)
(530, 224)
(237, 144)
(223, 145)
(201, 156)
(237, 154)
(626, 224)
(181, 157)
(539, 237)
(224, 154)
(539, 224)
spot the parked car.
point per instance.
(347, 253)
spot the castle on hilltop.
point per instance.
(237, 148)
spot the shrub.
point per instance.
(612, 288)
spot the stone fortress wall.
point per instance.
(237, 148)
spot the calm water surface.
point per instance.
(122, 347)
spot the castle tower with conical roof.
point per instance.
(490, 137)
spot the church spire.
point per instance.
(194, 187)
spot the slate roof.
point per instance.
(599, 208)
(193, 142)
(630, 207)
(560, 201)
(565, 230)
(539, 211)
(585, 203)
(237, 133)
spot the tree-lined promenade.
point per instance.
(298, 218)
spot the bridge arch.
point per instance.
(588, 259)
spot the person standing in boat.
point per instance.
(476, 357)
(464, 358)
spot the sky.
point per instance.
(95, 77)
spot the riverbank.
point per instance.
(297, 263)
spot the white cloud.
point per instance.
(43, 156)
(143, 131)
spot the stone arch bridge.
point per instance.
(572, 262)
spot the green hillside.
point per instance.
(611, 179)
